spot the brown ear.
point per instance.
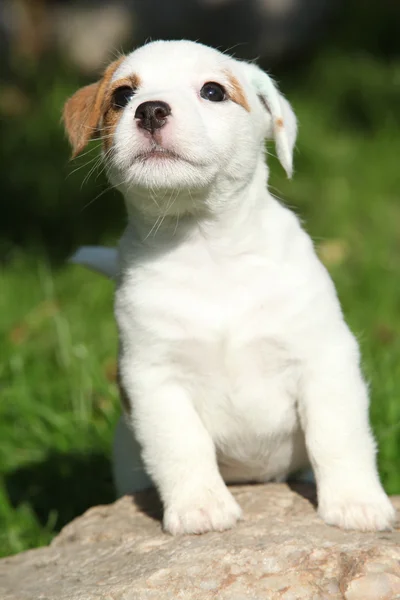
(83, 110)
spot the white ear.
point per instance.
(283, 124)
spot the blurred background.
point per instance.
(337, 61)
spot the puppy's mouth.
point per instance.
(157, 153)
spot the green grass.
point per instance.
(59, 401)
(57, 357)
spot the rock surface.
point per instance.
(280, 550)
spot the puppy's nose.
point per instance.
(152, 115)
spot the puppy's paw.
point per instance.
(375, 513)
(202, 510)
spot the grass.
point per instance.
(57, 358)
(59, 401)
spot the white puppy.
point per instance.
(235, 362)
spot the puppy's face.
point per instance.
(180, 115)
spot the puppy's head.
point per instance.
(181, 115)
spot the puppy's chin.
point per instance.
(169, 172)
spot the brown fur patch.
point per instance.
(236, 92)
(111, 115)
(82, 111)
(279, 122)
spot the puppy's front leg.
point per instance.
(180, 457)
(334, 413)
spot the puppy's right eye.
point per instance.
(121, 96)
(213, 91)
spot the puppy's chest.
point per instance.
(219, 325)
(203, 294)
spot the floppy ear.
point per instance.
(283, 120)
(82, 112)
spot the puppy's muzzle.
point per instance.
(152, 115)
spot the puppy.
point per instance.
(235, 362)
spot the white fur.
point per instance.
(234, 353)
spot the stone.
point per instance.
(281, 549)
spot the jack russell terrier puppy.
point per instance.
(235, 363)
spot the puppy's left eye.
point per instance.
(121, 96)
(213, 92)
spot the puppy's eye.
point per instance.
(121, 96)
(213, 92)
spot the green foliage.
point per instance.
(59, 400)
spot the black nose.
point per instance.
(152, 115)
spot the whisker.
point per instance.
(116, 53)
(152, 228)
(81, 155)
(107, 189)
(228, 50)
(177, 223)
(82, 166)
(169, 205)
(91, 171)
